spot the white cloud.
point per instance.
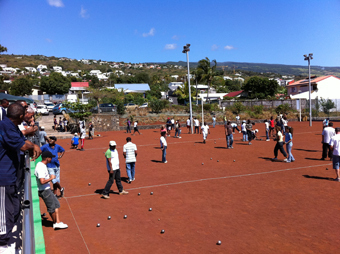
(150, 33)
(229, 47)
(48, 40)
(83, 13)
(170, 46)
(214, 47)
(175, 37)
(56, 3)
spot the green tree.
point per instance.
(157, 105)
(233, 85)
(260, 88)
(207, 72)
(22, 86)
(79, 111)
(2, 49)
(142, 77)
(55, 84)
(327, 105)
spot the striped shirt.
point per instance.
(129, 148)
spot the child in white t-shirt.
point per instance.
(205, 130)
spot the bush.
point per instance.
(258, 109)
(327, 105)
(283, 108)
(238, 107)
(157, 105)
(207, 107)
(120, 107)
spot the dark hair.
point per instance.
(128, 139)
(163, 133)
(337, 129)
(330, 124)
(4, 101)
(15, 110)
(291, 130)
(228, 122)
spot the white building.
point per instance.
(57, 69)
(212, 96)
(95, 72)
(31, 69)
(41, 67)
(174, 85)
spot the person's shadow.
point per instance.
(319, 177)
(100, 191)
(156, 161)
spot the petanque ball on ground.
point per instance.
(109, 218)
(210, 158)
(326, 168)
(150, 209)
(159, 219)
(219, 243)
(202, 163)
(217, 160)
(151, 193)
(98, 225)
(125, 216)
(138, 194)
(234, 160)
(162, 231)
(89, 184)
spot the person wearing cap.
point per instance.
(335, 147)
(43, 182)
(130, 154)
(112, 163)
(244, 131)
(12, 142)
(54, 166)
(164, 146)
(75, 141)
(42, 136)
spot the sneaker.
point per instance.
(62, 192)
(123, 192)
(249, 143)
(179, 137)
(165, 162)
(128, 181)
(232, 147)
(268, 140)
(286, 160)
(82, 149)
(337, 179)
(239, 132)
(133, 179)
(105, 196)
(59, 225)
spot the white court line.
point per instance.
(77, 226)
(209, 179)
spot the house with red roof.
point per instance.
(235, 94)
(326, 87)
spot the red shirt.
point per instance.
(272, 123)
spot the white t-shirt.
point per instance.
(205, 129)
(42, 172)
(243, 127)
(188, 122)
(237, 117)
(172, 121)
(197, 123)
(114, 159)
(82, 133)
(163, 141)
(267, 125)
(285, 122)
(130, 148)
(328, 133)
(280, 136)
(335, 142)
(233, 125)
(135, 124)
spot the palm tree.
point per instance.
(197, 77)
(207, 71)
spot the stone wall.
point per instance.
(105, 122)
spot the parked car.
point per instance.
(42, 109)
(104, 107)
(144, 105)
(49, 105)
(61, 109)
(130, 106)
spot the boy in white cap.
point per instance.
(112, 163)
(42, 136)
(75, 141)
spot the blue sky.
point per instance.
(261, 31)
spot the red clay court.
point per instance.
(252, 205)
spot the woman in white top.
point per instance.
(279, 144)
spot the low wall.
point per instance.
(105, 122)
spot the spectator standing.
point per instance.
(271, 126)
(65, 123)
(244, 131)
(205, 130)
(54, 166)
(91, 130)
(327, 134)
(3, 108)
(12, 142)
(237, 119)
(249, 128)
(61, 125)
(55, 122)
(130, 154)
(229, 135)
(164, 146)
(168, 126)
(42, 136)
(172, 123)
(82, 134)
(266, 123)
(289, 143)
(188, 124)
(112, 163)
(135, 128)
(214, 121)
(128, 126)
(197, 125)
(178, 129)
(335, 147)
(43, 182)
(75, 141)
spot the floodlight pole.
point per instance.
(309, 57)
(186, 49)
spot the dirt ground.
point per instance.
(201, 196)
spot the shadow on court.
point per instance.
(220, 147)
(46, 223)
(307, 150)
(313, 159)
(199, 142)
(156, 161)
(270, 159)
(157, 147)
(242, 144)
(100, 191)
(319, 177)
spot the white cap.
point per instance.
(42, 127)
(76, 134)
(113, 143)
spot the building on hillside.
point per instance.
(174, 85)
(41, 67)
(132, 88)
(212, 96)
(95, 72)
(79, 86)
(227, 77)
(326, 87)
(31, 69)
(57, 68)
(236, 94)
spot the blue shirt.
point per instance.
(57, 149)
(75, 140)
(11, 140)
(289, 137)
